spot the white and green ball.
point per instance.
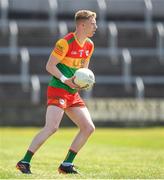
(84, 78)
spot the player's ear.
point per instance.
(82, 24)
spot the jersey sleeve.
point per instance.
(61, 49)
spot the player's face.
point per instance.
(90, 27)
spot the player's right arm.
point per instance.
(56, 56)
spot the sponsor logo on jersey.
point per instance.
(74, 52)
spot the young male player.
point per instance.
(70, 53)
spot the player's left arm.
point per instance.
(86, 64)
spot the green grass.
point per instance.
(109, 154)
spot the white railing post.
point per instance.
(13, 40)
(25, 58)
(53, 8)
(160, 42)
(102, 13)
(35, 92)
(148, 16)
(127, 68)
(112, 41)
(139, 88)
(4, 15)
(63, 29)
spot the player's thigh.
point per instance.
(54, 115)
(80, 116)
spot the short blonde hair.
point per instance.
(84, 15)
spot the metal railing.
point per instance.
(112, 41)
(13, 40)
(53, 9)
(102, 12)
(140, 88)
(126, 68)
(148, 16)
(63, 28)
(4, 4)
(35, 92)
(160, 42)
(25, 76)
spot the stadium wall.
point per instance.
(104, 112)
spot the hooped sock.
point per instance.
(70, 157)
(28, 156)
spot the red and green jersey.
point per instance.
(71, 55)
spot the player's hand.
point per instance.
(71, 84)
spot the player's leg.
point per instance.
(54, 115)
(53, 118)
(81, 117)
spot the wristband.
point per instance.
(63, 79)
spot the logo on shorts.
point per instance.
(61, 101)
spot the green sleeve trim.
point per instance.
(71, 40)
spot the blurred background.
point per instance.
(128, 61)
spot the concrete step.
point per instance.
(109, 90)
(38, 64)
(149, 65)
(37, 37)
(4, 39)
(140, 66)
(15, 93)
(156, 91)
(119, 91)
(136, 37)
(104, 66)
(8, 66)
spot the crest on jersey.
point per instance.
(87, 52)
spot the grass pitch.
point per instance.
(109, 154)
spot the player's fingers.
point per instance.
(73, 80)
(76, 86)
(71, 84)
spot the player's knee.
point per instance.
(50, 129)
(90, 129)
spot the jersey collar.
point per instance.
(80, 44)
